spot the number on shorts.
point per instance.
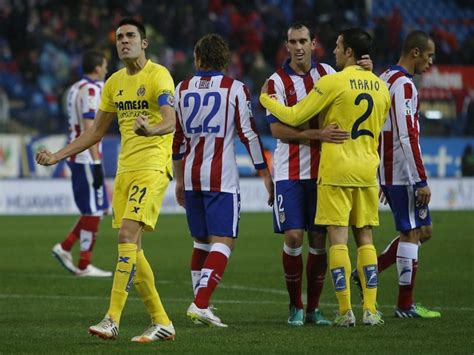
(135, 190)
(280, 203)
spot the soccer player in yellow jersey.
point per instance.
(356, 101)
(141, 97)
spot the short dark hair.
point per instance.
(298, 25)
(133, 22)
(358, 40)
(213, 52)
(415, 39)
(91, 59)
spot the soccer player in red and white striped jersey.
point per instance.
(401, 173)
(211, 108)
(87, 173)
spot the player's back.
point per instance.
(83, 99)
(399, 146)
(209, 108)
(360, 105)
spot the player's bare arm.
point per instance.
(142, 125)
(94, 149)
(86, 140)
(268, 182)
(329, 134)
(179, 179)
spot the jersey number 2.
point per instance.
(356, 132)
(205, 127)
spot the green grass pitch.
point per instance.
(43, 309)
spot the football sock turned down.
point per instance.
(340, 266)
(144, 282)
(123, 277)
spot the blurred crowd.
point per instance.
(41, 41)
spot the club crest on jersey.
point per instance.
(423, 212)
(141, 90)
(408, 107)
(170, 100)
(338, 279)
(371, 279)
(281, 217)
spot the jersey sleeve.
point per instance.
(179, 140)
(165, 89)
(277, 92)
(246, 128)
(404, 108)
(106, 101)
(89, 99)
(318, 99)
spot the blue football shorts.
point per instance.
(88, 200)
(402, 201)
(295, 206)
(212, 213)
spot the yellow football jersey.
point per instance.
(355, 100)
(130, 96)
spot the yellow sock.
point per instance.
(340, 266)
(145, 285)
(122, 279)
(367, 269)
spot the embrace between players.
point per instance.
(338, 162)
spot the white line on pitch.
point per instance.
(187, 300)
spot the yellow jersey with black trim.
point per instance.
(358, 102)
(133, 95)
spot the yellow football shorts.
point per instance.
(347, 206)
(138, 196)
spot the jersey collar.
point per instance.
(290, 71)
(402, 69)
(86, 78)
(209, 73)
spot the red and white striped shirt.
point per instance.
(211, 108)
(400, 152)
(295, 160)
(82, 103)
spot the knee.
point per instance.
(293, 239)
(426, 233)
